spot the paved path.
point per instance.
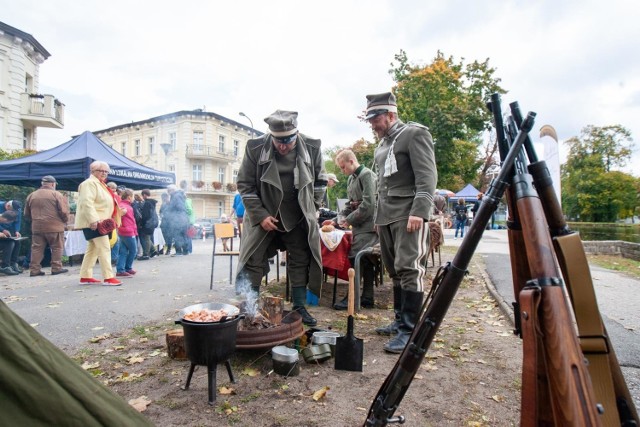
(618, 298)
(68, 314)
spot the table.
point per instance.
(75, 243)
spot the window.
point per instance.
(172, 141)
(123, 148)
(136, 147)
(236, 148)
(220, 143)
(172, 168)
(235, 176)
(152, 144)
(25, 139)
(198, 141)
(196, 172)
(221, 174)
(220, 208)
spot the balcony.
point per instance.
(201, 151)
(42, 111)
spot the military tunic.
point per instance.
(361, 190)
(406, 191)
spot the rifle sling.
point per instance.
(594, 341)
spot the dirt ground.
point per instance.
(470, 376)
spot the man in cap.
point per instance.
(282, 181)
(407, 179)
(12, 229)
(332, 180)
(48, 211)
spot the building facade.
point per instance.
(202, 148)
(23, 109)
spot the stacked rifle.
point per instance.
(569, 377)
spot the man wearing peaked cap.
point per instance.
(281, 182)
(332, 180)
(407, 178)
(12, 228)
(48, 211)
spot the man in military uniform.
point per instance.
(358, 213)
(282, 181)
(407, 179)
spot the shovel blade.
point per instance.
(349, 351)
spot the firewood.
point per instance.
(175, 344)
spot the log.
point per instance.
(175, 344)
(272, 308)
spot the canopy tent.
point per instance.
(468, 193)
(69, 164)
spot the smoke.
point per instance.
(249, 296)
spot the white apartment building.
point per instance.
(202, 148)
(22, 108)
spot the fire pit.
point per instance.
(210, 343)
(288, 330)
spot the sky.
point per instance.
(575, 63)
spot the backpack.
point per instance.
(154, 221)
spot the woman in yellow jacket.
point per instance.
(96, 203)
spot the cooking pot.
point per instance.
(231, 310)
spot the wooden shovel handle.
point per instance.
(352, 290)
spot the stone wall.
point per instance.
(613, 247)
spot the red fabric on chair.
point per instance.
(338, 259)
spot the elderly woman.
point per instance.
(96, 203)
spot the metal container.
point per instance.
(324, 337)
(317, 353)
(285, 361)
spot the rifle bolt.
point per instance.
(525, 315)
(600, 408)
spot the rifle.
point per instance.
(609, 385)
(443, 289)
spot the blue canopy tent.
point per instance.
(69, 164)
(468, 193)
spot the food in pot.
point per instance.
(328, 228)
(205, 315)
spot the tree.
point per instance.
(591, 190)
(450, 98)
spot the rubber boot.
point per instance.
(392, 328)
(411, 305)
(299, 296)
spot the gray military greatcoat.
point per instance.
(262, 194)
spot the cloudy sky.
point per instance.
(575, 63)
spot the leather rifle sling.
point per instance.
(592, 335)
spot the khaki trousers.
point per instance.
(98, 249)
(39, 242)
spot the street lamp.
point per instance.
(166, 147)
(250, 121)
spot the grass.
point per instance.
(616, 263)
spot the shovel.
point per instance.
(349, 349)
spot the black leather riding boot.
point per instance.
(409, 315)
(392, 328)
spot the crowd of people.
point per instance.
(282, 185)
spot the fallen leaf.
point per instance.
(86, 365)
(498, 398)
(155, 353)
(250, 372)
(226, 390)
(319, 394)
(97, 328)
(140, 404)
(144, 339)
(135, 359)
(99, 338)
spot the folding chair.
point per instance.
(223, 231)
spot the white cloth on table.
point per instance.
(331, 239)
(75, 243)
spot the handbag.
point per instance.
(106, 226)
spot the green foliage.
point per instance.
(591, 190)
(450, 98)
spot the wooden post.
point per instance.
(175, 344)
(272, 308)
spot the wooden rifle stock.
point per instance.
(571, 392)
(443, 289)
